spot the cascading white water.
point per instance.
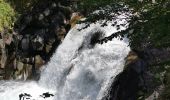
(77, 70)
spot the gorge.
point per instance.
(84, 50)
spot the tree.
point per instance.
(149, 24)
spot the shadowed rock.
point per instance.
(24, 96)
(127, 84)
(46, 95)
(37, 35)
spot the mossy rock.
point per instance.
(7, 15)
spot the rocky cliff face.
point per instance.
(35, 38)
(143, 77)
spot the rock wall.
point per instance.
(143, 77)
(127, 84)
(36, 36)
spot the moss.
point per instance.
(11, 9)
(7, 16)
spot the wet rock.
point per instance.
(46, 95)
(25, 43)
(3, 53)
(37, 42)
(23, 96)
(36, 36)
(127, 84)
(97, 36)
(48, 47)
(131, 58)
(46, 27)
(39, 61)
(23, 71)
(138, 78)
(2, 72)
(75, 18)
(61, 33)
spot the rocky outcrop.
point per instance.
(139, 78)
(127, 84)
(41, 31)
(36, 36)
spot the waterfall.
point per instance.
(77, 70)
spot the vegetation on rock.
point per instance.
(7, 15)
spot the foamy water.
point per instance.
(77, 70)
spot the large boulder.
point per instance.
(127, 84)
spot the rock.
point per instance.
(1, 77)
(61, 33)
(25, 43)
(37, 43)
(23, 71)
(36, 36)
(41, 16)
(75, 18)
(2, 71)
(155, 95)
(131, 58)
(20, 66)
(48, 48)
(163, 91)
(127, 84)
(10, 65)
(39, 61)
(46, 95)
(18, 72)
(8, 39)
(67, 11)
(46, 12)
(23, 96)
(3, 53)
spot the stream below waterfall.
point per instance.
(76, 71)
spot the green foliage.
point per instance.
(150, 22)
(11, 9)
(153, 26)
(7, 15)
(91, 5)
